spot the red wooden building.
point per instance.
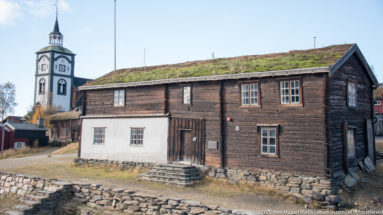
(18, 135)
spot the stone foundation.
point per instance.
(122, 165)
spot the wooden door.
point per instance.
(186, 145)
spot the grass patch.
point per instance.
(255, 63)
(7, 202)
(68, 149)
(18, 153)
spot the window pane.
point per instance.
(264, 149)
(245, 94)
(116, 97)
(272, 132)
(187, 95)
(121, 97)
(254, 94)
(272, 149)
(264, 132)
(284, 85)
(272, 141)
(294, 91)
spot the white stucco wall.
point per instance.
(44, 59)
(64, 62)
(42, 98)
(117, 139)
(62, 102)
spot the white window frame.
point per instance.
(137, 136)
(377, 102)
(268, 134)
(186, 95)
(290, 92)
(250, 94)
(119, 98)
(99, 135)
(351, 94)
(44, 67)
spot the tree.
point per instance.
(7, 98)
(39, 111)
(7, 103)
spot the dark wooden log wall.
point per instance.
(302, 144)
(339, 112)
(138, 100)
(71, 126)
(205, 105)
(197, 127)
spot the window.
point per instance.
(187, 95)
(99, 136)
(269, 141)
(42, 86)
(377, 102)
(119, 97)
(351, 142)
(61, 87)
(249, 94)
(290, 92)
(137, 136)
(43, 67)
(351, 94)
(62, 68)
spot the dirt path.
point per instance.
(52, 166)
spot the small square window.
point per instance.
(119, 98)
(377, 102)
(137, 136)
(269, 141)
(62, 68)
(351, 94)
(99, 136)
(43, 67)
(290, 92)
(249, 94)
(187, 95)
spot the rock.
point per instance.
(370, 167)
(349, 181)
(377, 199)
(197, 210)
(251, 178)
(192, 203)
(306, 186)
(332, 207)
(355, 176)
(173, 202)
(295, 190)
(307, 192)
(307, 199)
(332, 200)
(262, 178)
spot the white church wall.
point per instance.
(42, 98)
(117, 139)
(62, 102)
(43, 60)
(62, 62)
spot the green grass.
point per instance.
(245, 64)
(18, 153)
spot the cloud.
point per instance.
(9, 12)
(44, 8)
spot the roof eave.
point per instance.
(289, 72)
(355, 49)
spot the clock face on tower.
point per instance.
(62, 68)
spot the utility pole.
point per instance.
(315, 41)
(115, 64)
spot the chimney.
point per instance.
(40, 123)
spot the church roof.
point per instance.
(56, 29)
(55, 48)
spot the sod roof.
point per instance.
(295, 59)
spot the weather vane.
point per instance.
(57, 7)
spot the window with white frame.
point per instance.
(61, 87)
(377, 102)
(290, 92)
(249, 94)
(269, 141)
(43, 67)
(42, 86)
(351, 94)
(187, 95)
(119, 97)
(136, 136)
(98, 135)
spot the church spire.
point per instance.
(55, 37)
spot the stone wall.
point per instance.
(45, 195)
(308, 189)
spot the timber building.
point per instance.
(305, 111)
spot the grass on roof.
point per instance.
(244, 64)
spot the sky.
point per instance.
(173, 31)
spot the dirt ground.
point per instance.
(366, 195)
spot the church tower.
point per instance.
(54, 73)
